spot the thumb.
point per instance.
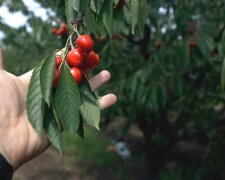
(1, 60)
(26, 77)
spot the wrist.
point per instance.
(10, 160)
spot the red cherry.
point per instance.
(58, 61)
(62, 30)
(193, 44)
(120, 5)
(158, 45)
(101, 39)
(85, 42)
(56, 79)
(91, 60)
(54, 30)
(64, 26)
(75, 58)
(77, 74)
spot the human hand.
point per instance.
(19, 142)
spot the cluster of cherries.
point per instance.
(62, 30)
(80, 59)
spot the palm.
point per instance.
(18, 140)
(17, 137)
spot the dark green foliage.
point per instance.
(165, 84)
(35, 102)
(67, 100)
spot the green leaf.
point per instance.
(76, 5)
(90, 22)
(100, 24)
(89, 108)
(177, 85)
(142, 16)
(108, 16)
(54, 110)
(96, 4)
(93, 6)
(83, 7)
(67, 100)
(134, 10)
(223, 75)
(47, 75)
(70, 13)
(35, 103)
(52, 129)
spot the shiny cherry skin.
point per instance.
(58, 62)
(56, 79)
(77, 74)
(85, 43)
(75, 57)
(91, 60)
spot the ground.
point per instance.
(89, 160)
(50, 166)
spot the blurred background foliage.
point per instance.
(166, 76)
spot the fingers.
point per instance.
(1, 60)
(95, 83)
(99, 80)
(107, 101)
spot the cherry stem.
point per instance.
(67, 65)
(76, 30)
(66, 52)
(71, 43)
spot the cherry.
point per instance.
(120, 5)
(85, 43)
(62, 30)
(56, 79)
(158, 45)
(75, 58)
(101, 39)
(58, 61)
(54, 31)
(77, 74)
(193, 44)
(91, 60)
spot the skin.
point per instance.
(19, 142)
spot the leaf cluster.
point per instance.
(101, 16)
(64, 109)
